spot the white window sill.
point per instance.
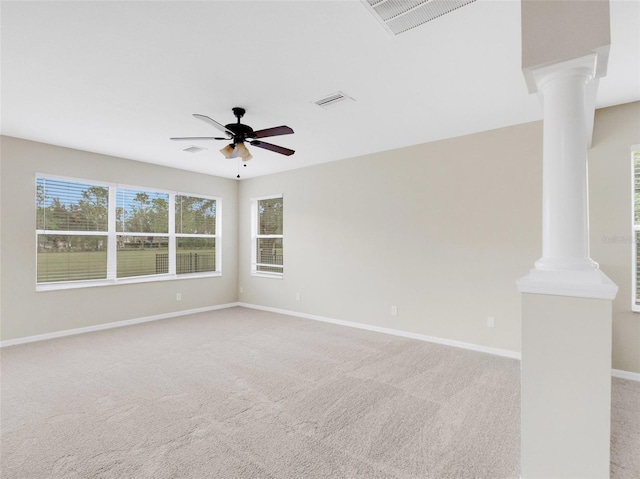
(134, 280)
(267, 275)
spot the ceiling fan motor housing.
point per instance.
(240, 132)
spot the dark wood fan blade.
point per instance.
(211, 121)
(199, 138)
(275, 131)
(268, 146)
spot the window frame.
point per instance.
(49, 285)
(635, 232)
(112, 267)
(112, 235)
(216, 235)
(255, 236)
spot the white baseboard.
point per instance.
(115, 324)
(395, 332)
(619, 373)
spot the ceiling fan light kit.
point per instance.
(229, 152)
(243, 152)
(237, 133)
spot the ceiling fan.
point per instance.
(238, 134)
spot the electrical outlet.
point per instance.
(298, 296)
(491, 322)
(394, 311)
(178, 296)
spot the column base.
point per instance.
(580, 284)
(566, 387)
(566, 264)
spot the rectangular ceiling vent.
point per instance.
(333, 99)
(399, 16)
(194, 149)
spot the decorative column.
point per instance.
(565, 267)
(565, 243)
(566, 299)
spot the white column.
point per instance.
(565, 242)
(566, 300)
(565, 267)
(566, 308)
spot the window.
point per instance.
(142, 226)
(195, 234)
(71, 230)
(635, 158)
(267, 240)
(91, 234)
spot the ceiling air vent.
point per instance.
(194, 149)
(399, 16)
(333, 99)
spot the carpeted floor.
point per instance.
(241, 393)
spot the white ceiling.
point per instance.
(120, 78)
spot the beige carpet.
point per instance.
(240, 393)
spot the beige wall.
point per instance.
(440, 230)
(610, 178)
(443, 231)
(26, 312)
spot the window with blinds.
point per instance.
(636, 228)
(267, 237)
(89, 233)
(142, 224)
(195, 225)
(71, 230)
